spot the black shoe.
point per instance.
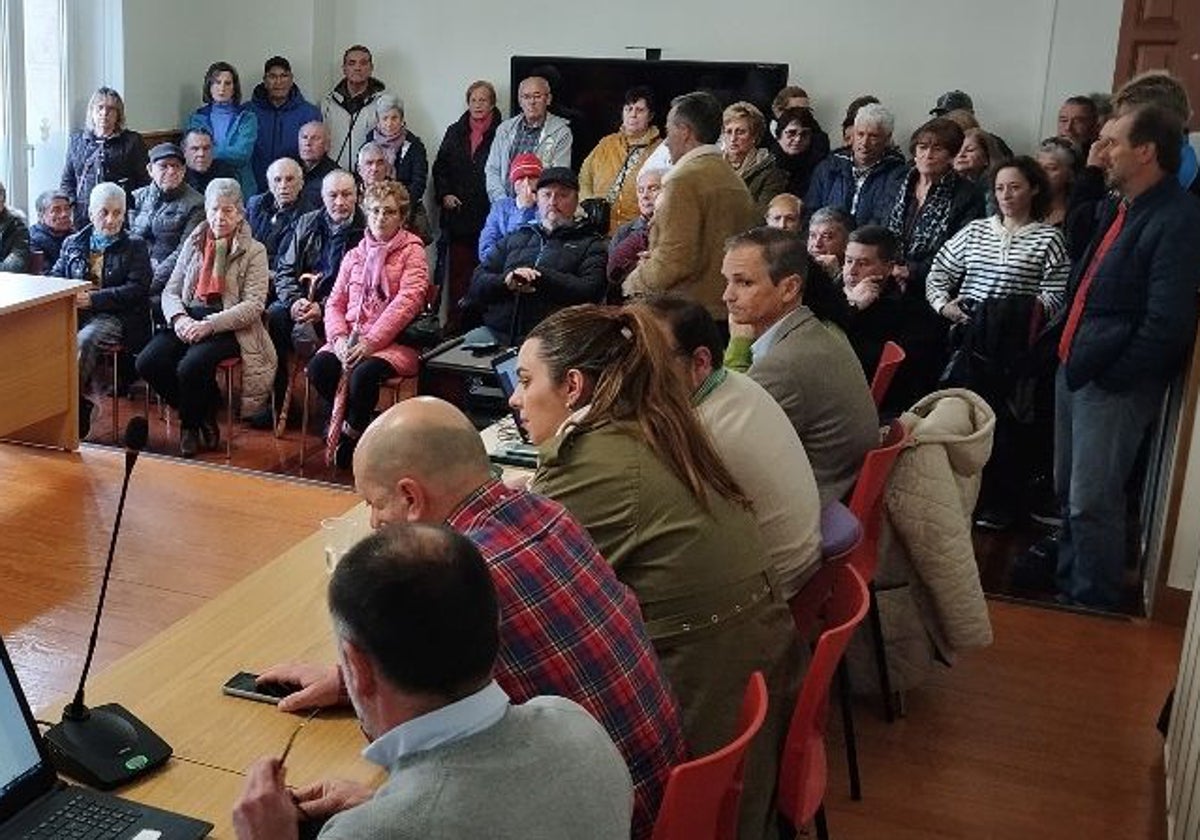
(86, 408)
(993, 519)
(261, 420)
(189, 443)
(1034, 571)
(343, 456)
(210, 434)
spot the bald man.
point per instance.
(273, 214)
(567, 625)
(313, 141)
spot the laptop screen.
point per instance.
(505, 366)
(25, 773)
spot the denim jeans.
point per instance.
(1097, 435)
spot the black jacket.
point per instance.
(313, 178)
(1139, 318)
(315, 247)
(124, 284)
(120, 159)
(274, 227)
(48, 243)
(14, 242)
(571, 260)
(457, 172)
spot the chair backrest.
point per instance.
(802, 770)
(885, 371)
(702, 796)
(866, 502)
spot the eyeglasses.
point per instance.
(379, 210)
(287, 748)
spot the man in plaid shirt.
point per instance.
(567, 625)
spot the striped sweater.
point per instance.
(985, 260)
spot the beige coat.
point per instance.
(930, 599)
(703, 203)
(244, 298)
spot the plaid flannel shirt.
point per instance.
(569, 627)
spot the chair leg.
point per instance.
(821, 825)
(885, 679)
(116, 400)
(848, 735)
(228, 415)
(304, 427)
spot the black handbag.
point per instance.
(597, 212)
(423, 331)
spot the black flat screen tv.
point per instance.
(590, 91)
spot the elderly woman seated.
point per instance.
(744, 128)
(213, 303)
(633, 238)
(381, 287)
(114, 312)
(800, 145)
(608, 171)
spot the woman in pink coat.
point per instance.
(381, 287)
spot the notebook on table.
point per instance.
(516, 453)
(35, 804)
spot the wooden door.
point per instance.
(1161, 35)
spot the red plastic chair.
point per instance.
(889, 362)
(803, 771)
(702, 796)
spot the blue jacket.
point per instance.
(238, 147)
(833, 186)
(278, 129)
(1140, 314)
(504, 217)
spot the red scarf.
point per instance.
(212, 272)
(479, 127)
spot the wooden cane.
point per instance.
(281, 420)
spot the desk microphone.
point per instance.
(107, 746)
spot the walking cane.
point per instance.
(281, 420)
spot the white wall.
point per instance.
(1018, 59)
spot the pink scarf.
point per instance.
(479, 127)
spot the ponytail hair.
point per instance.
(624, 357)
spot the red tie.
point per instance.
(1114, 230)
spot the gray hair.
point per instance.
(387, 102)
(832, 216)
(335, 175)
(227, 188)
(647, 171)
(285, 163)
(875, 114)
(43, 202)
(104, 193)
(324, 129)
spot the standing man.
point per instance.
(1079, 122)
(415, 619)
(281, 110)
(1131, 320)
(347, 109)
(703, 202)
(534, 130)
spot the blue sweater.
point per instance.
(504, 217)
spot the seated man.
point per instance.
(14, 238)
(542, 266)
(534, 130)
(202, 168)
(164, 212)
(314, 158)
(415, 620)
(810, 372)
(876, 305)
(828, 231)
(861, 180)
(754, 438)
(567, 625)
(786, 212)
(273, 215)
(632, 239)
(53, 226)
(373, 165)
(510, 212)
(305, 272)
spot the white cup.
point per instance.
(338, 534)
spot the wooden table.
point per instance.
(173, 683)
(39, 378)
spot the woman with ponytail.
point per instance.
(621, 448)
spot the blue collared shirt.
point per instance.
(462, 718)
(764, 342)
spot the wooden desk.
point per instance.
(39, 378)
(173, 683)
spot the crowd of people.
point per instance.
(698, 313)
